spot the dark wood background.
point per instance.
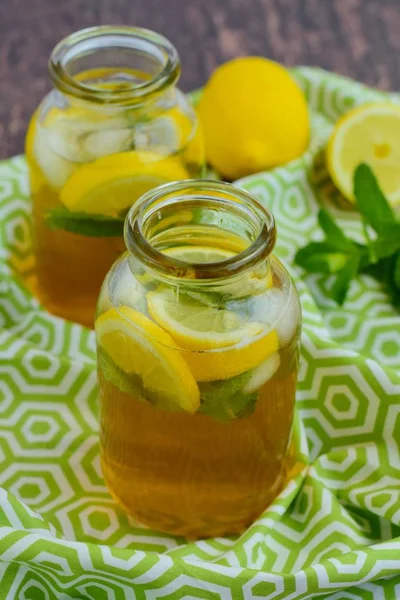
(359, 38)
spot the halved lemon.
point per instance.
(141, 348)
(367, 134)
(111, 184)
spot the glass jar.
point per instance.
(113, 127)
(197, 335)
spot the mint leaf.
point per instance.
(344, 257)
(387, 271)
(341, 285)
(396, 271)
(224, 400)
(321, 257)
(370, 199)
(390, 229)
(84, 223)
(334, 234)
(337, 255)
(131, 384)
(243, 405)
(387, 244)
(113, 374)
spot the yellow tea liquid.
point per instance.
(70, 268)
(195, 475)
(92, 163)
(197, 370)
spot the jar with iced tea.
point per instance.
(113, 127)
(197, 332)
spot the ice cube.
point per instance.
(127, 290)
(289, 320)
(64, 143)
(104, 142)
(65, 139)
(56, 169)
(160, 135)
(278, 312)
(83, 140)
(263, 373)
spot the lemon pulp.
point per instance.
(367, 134)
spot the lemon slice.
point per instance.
(221, 343)
(199, 254)
(224, 363)
(197, 325)
(111, 184)
(368, 134)
(252, 284)
(142, 349)
(61, 140)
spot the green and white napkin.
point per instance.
(334, 531)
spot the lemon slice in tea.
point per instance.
(198, 325)
(224, 363)
(62, 140)
(111, 184)
(254, 283)
(142, 349)
(222, 344)
(199, 254)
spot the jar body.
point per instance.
(89, 160)
(197, 389)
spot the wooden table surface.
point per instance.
(359, 38)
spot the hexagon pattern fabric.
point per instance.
(334, 531)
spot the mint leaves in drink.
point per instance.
(84, 223)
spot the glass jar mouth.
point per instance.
(185, 197)
(87, 42)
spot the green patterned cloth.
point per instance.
(334, 531)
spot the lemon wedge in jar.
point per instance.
(225, 363)
(111, 184)
(367, 134)
(141, 349)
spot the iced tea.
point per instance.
(197, 331)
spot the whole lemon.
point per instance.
(254, 117)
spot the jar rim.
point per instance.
(178, 192)
(91, 39)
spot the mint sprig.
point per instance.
(343, 257)
(92, 225)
